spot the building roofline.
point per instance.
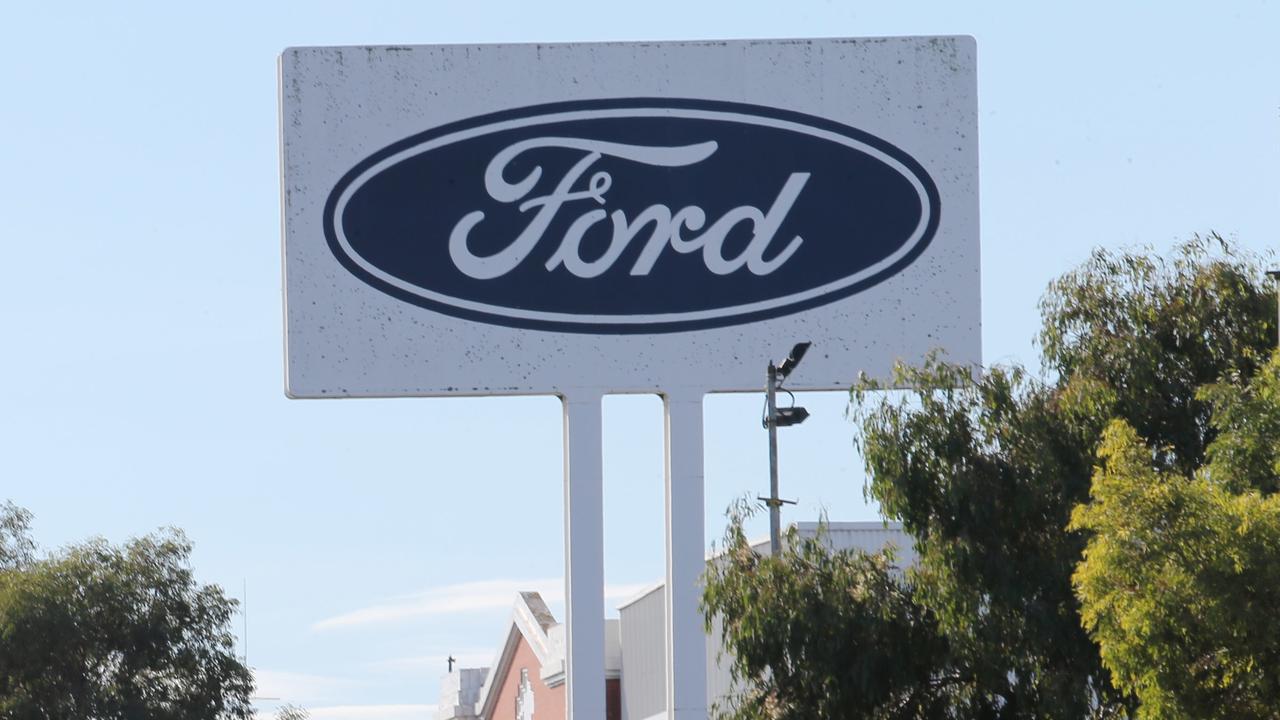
(531, 620)
(806, 527)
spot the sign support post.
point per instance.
(584, 556)
(686, 676)
(686, 640)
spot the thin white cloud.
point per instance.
(300, 688)
(433, 664)
(447, 600)
(373, 712)
(460, 598)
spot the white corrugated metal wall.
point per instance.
(644, 656)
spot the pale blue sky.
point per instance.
(140, 303)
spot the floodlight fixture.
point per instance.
(786, 417)
(797, 354)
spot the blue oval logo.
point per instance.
(632, 216)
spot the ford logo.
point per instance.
(631, 216)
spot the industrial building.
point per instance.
(525, 681)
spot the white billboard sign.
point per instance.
(584, 219)
(626, 217)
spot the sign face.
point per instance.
(626, 217)
(571, 229)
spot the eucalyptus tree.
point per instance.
(984, 468)
(103, 632)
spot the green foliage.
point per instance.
(984, 469)
(17, 549)
(983, 473)
(292, 712)
(1140, 334)
(820, 634)
(1246, 454)
(98, 632)
(1179, 584)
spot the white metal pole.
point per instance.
(1275, 275)
(771, 423)
(584, 557)
(686, 640)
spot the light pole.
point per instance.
(775, 418)
(1275, 275)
